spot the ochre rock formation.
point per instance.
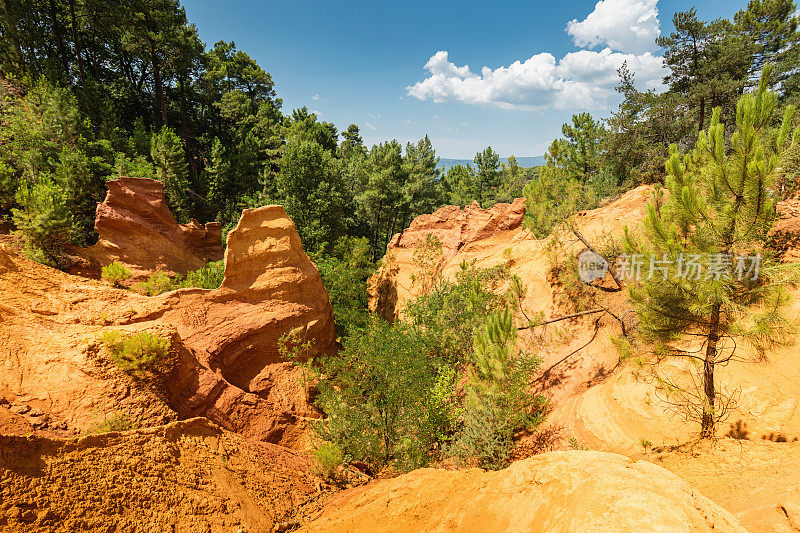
(556, 491)
(224, 361)
(458, 231)
(184, 476)
(136, 228)
(604, 402)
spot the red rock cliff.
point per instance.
(136, 227)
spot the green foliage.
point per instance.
(579, 153)
(426, 259)
(44, 146)
(138, 167)
(487, 183)
(117, 422)
(461, 185)
(209, 276)
(771, 30)
(344, 274)
(487, 174)
(550, 199)
(170, 168)
(499, 399)
(135, 352)
(513, 180)
(390, 188)
(157, 283)
(310, 185)
(328, 456)
(373, 395)
(392, 395)
(44, 221)
(446, 316)
(708, 65)
(575, 444)
(115, 273)
(720, 202)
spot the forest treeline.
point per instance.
(109, 88)
(105, 89)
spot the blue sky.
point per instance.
(365, 62)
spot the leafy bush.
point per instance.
(550, 199)
(446, 316)
(344, 274)
(51, 170)
(499, 399)
(374, 394)
(115, 273)
(116, 422)
(158, 282)
(208, 277)
(44, 221)
(391, 394)
(137, 351)
(328, 457)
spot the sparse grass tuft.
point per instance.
(116, 422)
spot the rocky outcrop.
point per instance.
(184, 476)
(225, 361)
(784, 237)
(556, 491)
(456, 230)
(136, 228)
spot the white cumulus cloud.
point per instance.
(624, 25)
(580, 79)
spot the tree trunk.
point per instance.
(59, 35)
(702, 111)
(709, 399)
(76, 40)
(158, 82)
(12, 33)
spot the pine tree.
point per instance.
(44, 221)
(488, 174)
(584, 139)
(499, 400)
(171, 169)
(422, 191)
(719, 209)
(772, 28)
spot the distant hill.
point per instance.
(445, 163)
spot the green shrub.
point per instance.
(446, 316)
(344, 274)
(137, 351)
(115, 273)
(44, 222)
(158, 282)
(208, 277)
(374, 396)
(391, 395)
(328, 456)
(499, 399)
(116, 422)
